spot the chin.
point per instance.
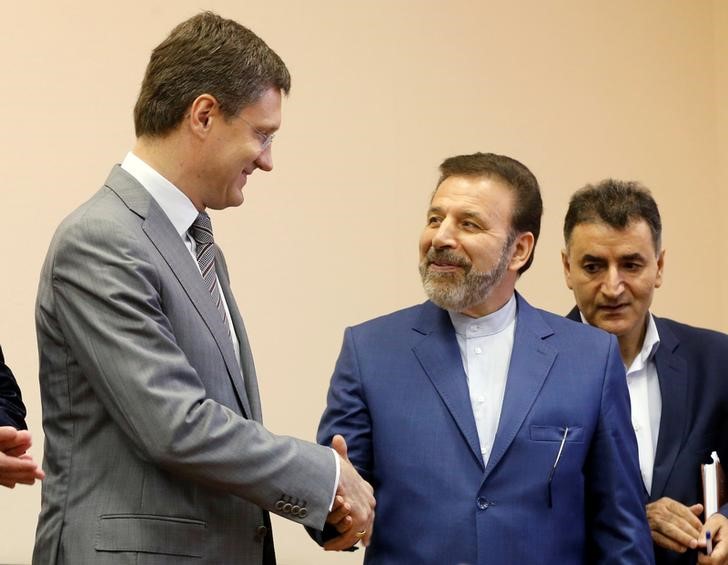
(616, 327)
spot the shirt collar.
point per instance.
(174, 203)
(651, 342)
(490, 324)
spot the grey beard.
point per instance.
(458, 292)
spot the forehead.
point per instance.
(602, 240)
(265, 111)
(486, 196)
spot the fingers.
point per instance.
(715, 525)
(14, 442)
(338, 444)
(339, 515)
(674, 525)
(345, 540)
(8, 438)
(359, 496)
(366, 540)
(7, 433)
(668, 543)
(22, 470)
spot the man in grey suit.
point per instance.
(154, 448)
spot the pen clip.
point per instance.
(556, 462)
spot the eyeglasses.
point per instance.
(265, 138)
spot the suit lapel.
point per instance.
(672, 375)
(439, 355)
(165, 238)
(531, 361)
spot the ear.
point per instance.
(567, 268)
(660, 266)
(201, 114)
(522, 249)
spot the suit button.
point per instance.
(287, 507)
(302, 513)
(260, 533)
(295, 510)
(482, 503)
(279, 505)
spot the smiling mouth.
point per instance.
(444, 267)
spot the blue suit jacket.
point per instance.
(692, 367)
(400, 398)
(12, 410)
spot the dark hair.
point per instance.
(528, 206)
(205, 54)
(616, 203)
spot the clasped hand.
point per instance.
(353, 511)
(677, 527)
(16, 466)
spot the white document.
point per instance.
(710, 485)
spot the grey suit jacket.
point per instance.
(154, 448)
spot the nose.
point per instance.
(264, 161)
(444, 236)
(613, 284)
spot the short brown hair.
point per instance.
(528, 205)
(206, 54)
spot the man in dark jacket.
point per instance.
(613, 262)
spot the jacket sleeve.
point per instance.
(617, 528)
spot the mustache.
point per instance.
(446, 256)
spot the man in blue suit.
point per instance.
(492, 432)
(676, 373)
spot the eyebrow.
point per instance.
(466, 214)
(588, 257)
(629, 257)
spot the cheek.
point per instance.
(425, 243)
(586, 294)
(644, 292)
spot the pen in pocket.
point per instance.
(556, 462)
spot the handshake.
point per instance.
(352, 514)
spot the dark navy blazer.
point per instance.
(692, 368)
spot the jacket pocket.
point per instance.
(556, 433)
(169, 535)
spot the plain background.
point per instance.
(383, 91)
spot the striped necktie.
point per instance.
(201, 232)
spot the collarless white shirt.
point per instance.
(181, 213)
(646, 400)
(486, 345)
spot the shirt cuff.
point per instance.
(336, 483)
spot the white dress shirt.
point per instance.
(646, 400)
(486, 345)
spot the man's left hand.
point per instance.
(717, 525)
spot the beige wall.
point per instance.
(721, 127)
(382, 91)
